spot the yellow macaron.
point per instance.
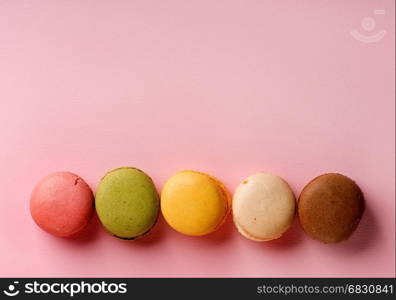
(194, 203)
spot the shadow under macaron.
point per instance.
(291, 238)
(152, 237)
(222, 235)
(88, 234)
(364, 237)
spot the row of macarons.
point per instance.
(193, 203)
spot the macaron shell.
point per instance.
(62, 204)
(330, 207)
(194, 203)
(263, 207)
(248, 235)
(127, 203)
(226, 197)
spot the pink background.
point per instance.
(224, 87)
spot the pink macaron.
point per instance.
(62, 204)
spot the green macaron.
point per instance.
(127, 203)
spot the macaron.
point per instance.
(127, 203)
(194, 203)
(263, 207)
(62, 204)
(330, 207)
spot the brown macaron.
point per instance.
(330, 207)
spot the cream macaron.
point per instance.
(263, 207)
